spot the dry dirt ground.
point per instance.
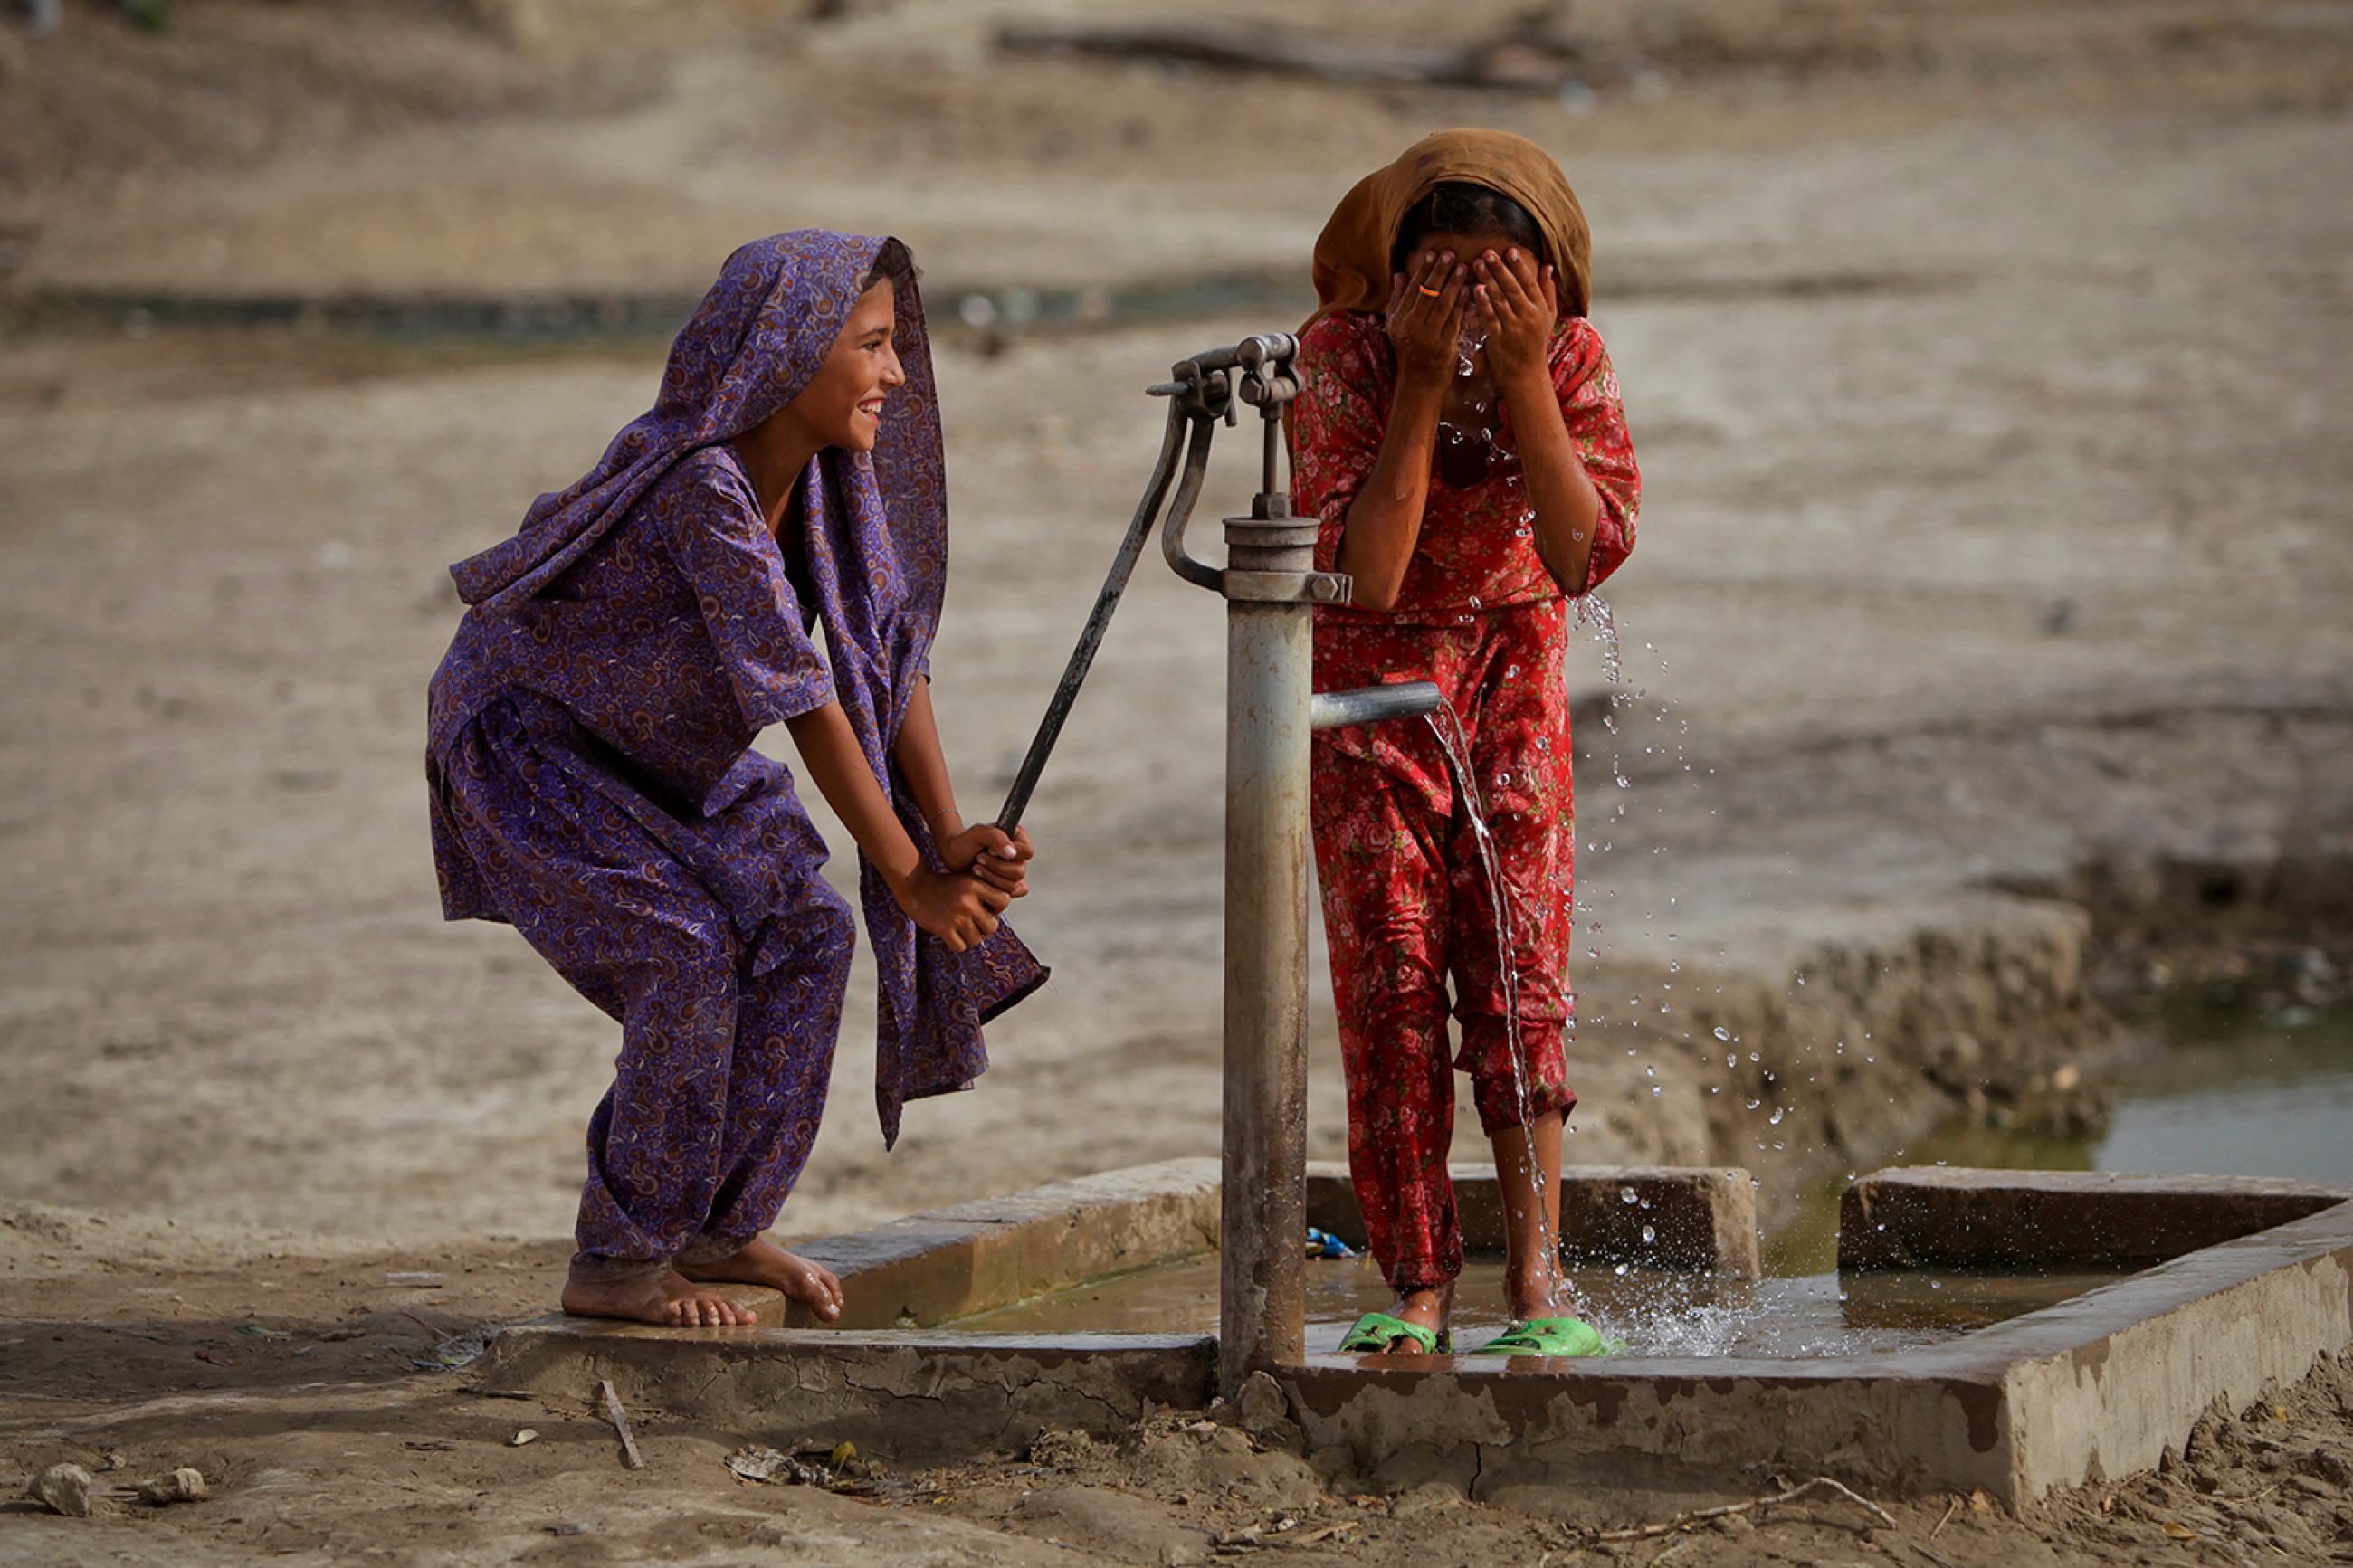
(1989, 368)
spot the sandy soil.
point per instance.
(1990, 380)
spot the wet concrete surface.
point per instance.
(1657, 1312)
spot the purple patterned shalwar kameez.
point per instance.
(594, 783)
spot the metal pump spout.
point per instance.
(1271, 588)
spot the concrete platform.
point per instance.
(2260, 1284)
(915, 1396)
(2101, 1386)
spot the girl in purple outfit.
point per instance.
(594, 783)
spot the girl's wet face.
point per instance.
(843, 405)
(1471, 355)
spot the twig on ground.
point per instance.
(1325, 1533)
(1951, 1508)
(620, 1420)
(1523, 58)
(1701, 1516)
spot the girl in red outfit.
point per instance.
(1459, 435)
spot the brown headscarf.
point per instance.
(1351, 254)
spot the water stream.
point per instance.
(1447, 725)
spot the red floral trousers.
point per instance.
(1408, 911)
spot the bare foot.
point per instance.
(668, 1299)
(1426, 1309)
(765, 1263)
(1537, 1292)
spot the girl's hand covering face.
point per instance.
(1518, 305)
(1425, 316)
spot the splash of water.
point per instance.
(1468, 344)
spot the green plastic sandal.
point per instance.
(1551, 1336)
(1376, 1333)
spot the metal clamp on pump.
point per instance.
(1270, 553)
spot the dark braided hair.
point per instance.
(1458, 206)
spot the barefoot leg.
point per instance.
(1531, 1281)
(764, 1263)
(665, 1298)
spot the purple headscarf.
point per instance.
(875, 547)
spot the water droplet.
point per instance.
(1650, 1233)
(1775, 1119)
(1629, 1196)
(1722, 1033)
(1476, 603)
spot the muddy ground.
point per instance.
(1986, 638)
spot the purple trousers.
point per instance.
(712, 939)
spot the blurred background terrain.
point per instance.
(1985, 655)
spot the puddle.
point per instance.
(1656, 1313)
(626, 317)
(2241, 1093)
(2238, 1091)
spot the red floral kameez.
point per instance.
(1406, 907)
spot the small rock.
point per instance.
(758, 1464)
(1226, 1440)
(62, 1489)
(1427, 1497)
(1261, 1403)
(571, 1527)
(2331, 1467)
(528, 1435)
(186, 1484)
